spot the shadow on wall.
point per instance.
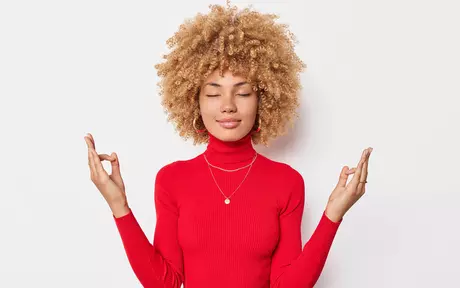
(296, 138)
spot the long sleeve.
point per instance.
(160, 264)
(293, 267)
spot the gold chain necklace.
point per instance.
(227, 199)
(231, 170)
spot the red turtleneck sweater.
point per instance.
(254, 241)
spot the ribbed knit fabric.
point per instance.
(253, 242)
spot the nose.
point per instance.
(228, 106)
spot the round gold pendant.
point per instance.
(227, 201)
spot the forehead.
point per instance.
(228, 78)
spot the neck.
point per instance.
(227, 152)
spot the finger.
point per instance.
(355, 180)
(366, 163)
(106, 157)
(91, 139)
(97, 162)
(364, 172)
(351, 171)
(116, 176)
(92, 166)
(363, 178)
(343, 177)
(113, 158)
(115, 165)
(88, 142)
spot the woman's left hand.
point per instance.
(344, 196)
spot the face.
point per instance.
(228, 106)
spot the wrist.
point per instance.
(333, 215)
(119, 209)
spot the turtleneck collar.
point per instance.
(220, 152)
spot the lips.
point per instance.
(228, 120)
(229, 123)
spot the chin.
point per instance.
(229, 134)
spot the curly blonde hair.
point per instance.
(249, 44)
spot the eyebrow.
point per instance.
(218, 85)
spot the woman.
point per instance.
(229, 217)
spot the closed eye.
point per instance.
(209, 95)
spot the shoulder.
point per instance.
(281, 170)
(176, 169)
(289, 184)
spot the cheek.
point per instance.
(248, 109)
(208, 109)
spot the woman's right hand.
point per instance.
(111, 186)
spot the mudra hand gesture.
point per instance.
(345, 195)
(111, 186)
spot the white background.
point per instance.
(383, 74)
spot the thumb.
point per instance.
(116, 175)
(115, 165)
(343, 177)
